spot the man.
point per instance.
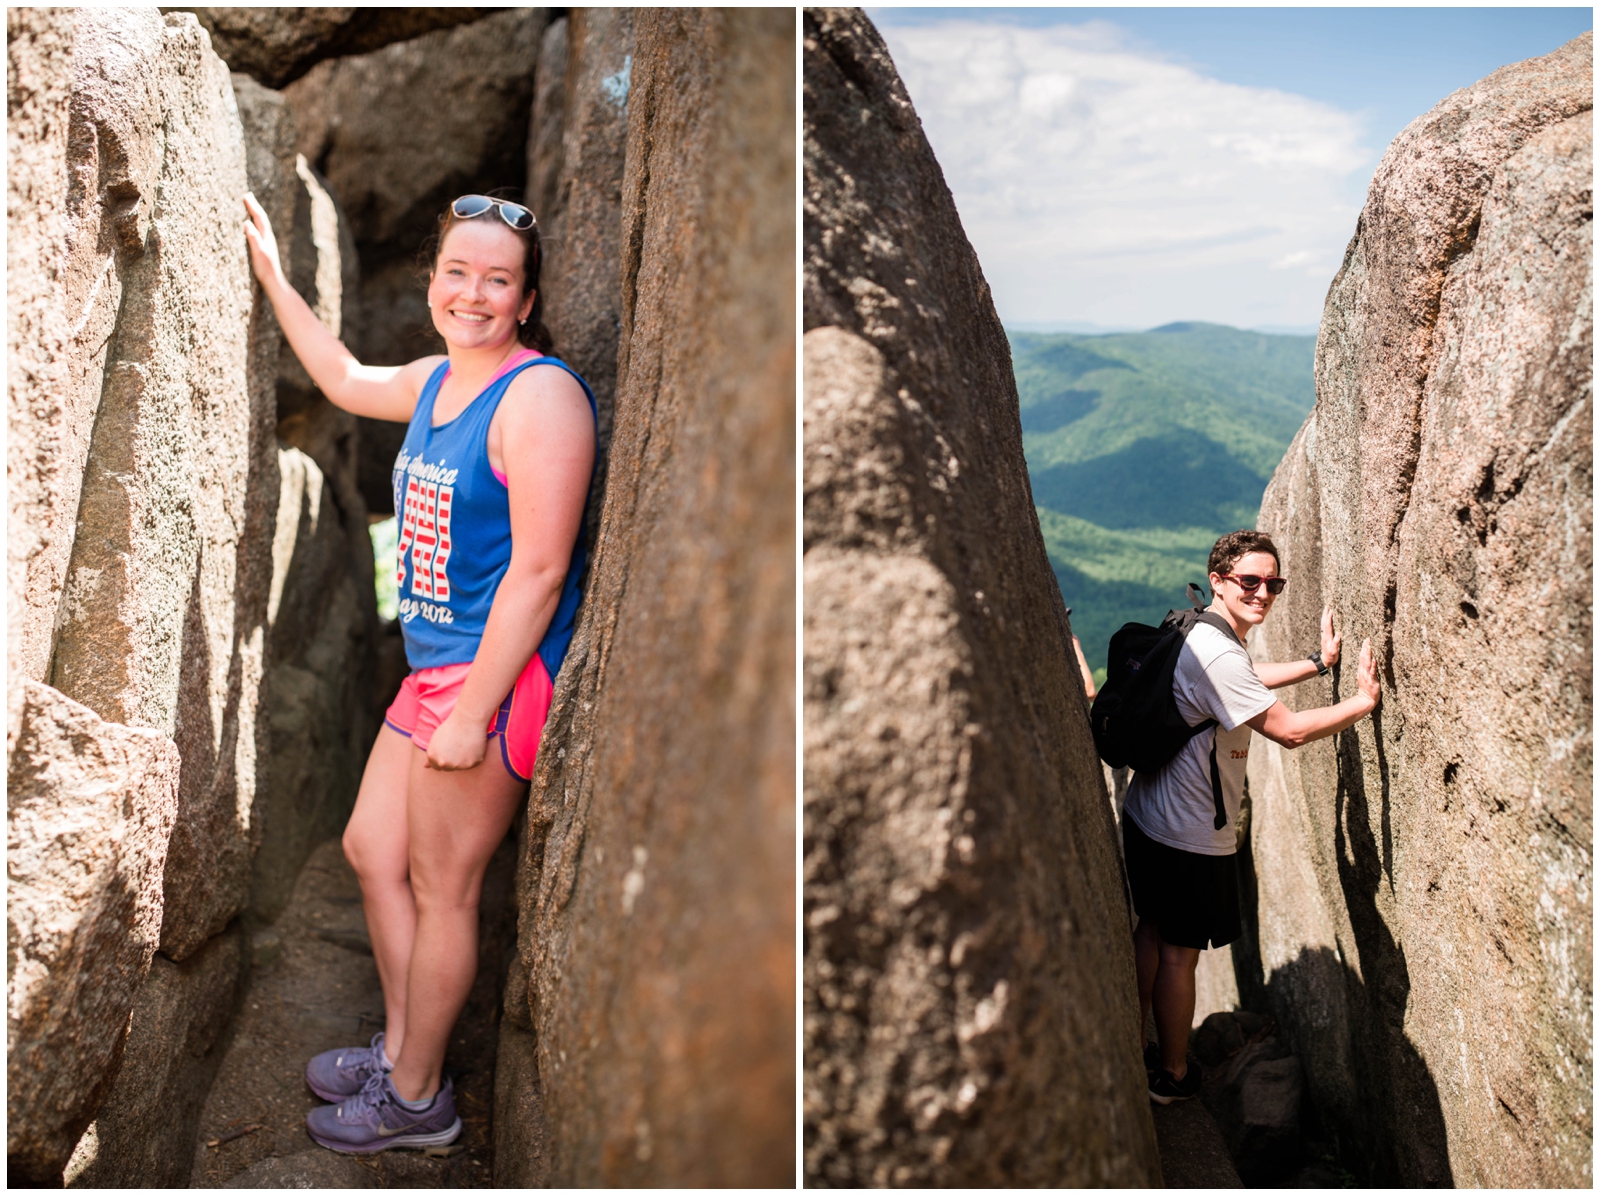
(1181, 866)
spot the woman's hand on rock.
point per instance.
(1367, 674)
(1330, 638)
(263, 245)
(456, 745)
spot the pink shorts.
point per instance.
(428, 696)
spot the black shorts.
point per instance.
(1193, 899)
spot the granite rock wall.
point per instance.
(158, 533)
(1424, 910)
(970, 1004)
(649, 1030)
(90, 808)
(276, 46)
(576, 149)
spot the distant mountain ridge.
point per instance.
(1143, 448)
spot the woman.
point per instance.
(490, 487)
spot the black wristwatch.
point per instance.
(1316, 659)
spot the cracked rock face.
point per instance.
(576, 146)
(157, 534)
(1425, 878)
(656, 927)
(970, 1004)
(90, 809)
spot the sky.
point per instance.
(1127, 167)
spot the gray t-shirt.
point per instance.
(1214, 679)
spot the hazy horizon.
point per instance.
(1121, 169)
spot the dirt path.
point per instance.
(314, 988)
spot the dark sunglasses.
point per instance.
(1250, 583)
(514, 214)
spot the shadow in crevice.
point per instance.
(1371, 1100)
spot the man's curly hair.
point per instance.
(1226, 552)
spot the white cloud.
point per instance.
(1100, 183)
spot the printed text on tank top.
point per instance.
(454, 541)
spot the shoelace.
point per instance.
(361, 1057)
(370, 1099)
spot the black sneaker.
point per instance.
(1164, 1089)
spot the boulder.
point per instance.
(143, 1136)
(521, 1157)
(1216, 1038)
(148, 523)
(38, 96)
(656, 918)
(316, 245)
(579, 182)
(971, 1012)
(323, 613)
(1423, 879)
(1193, 1152)
(161, 619)
(83, 237)
(156, 613)
(90, 807)
(547, 127)
(321, 609)
(403, 130)
(278, 45)
(1257, 1104)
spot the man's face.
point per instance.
(1247, 608)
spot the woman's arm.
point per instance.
(547, 441)
(380, 392)
(1276, 676)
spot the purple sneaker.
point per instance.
(374, 1119)
(338, 1075)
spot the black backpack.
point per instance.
(1135, 719)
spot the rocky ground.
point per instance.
(1250, 1126)
(314, 987)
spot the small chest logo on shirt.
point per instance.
(425, 528)
(1239, 755)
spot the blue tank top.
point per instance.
(454, 517)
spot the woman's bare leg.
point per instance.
(457, 819)
(377, 844)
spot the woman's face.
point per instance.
(475, 291)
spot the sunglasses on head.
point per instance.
(1250, 583)
(514, 214)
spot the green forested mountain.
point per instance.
(1143, 448)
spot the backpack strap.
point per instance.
(1221, 820)
(1212, 619)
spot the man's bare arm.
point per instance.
(1292, 729)
(1292, 672)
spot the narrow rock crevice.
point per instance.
(193, 517)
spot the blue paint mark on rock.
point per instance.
(615, 87)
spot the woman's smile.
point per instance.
(476, 289)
